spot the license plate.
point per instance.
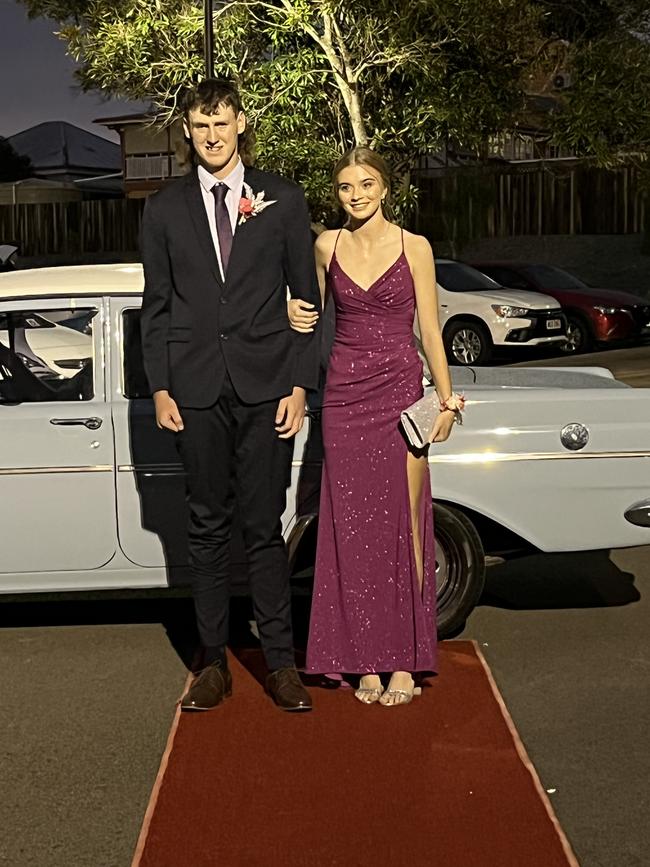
(552, 324)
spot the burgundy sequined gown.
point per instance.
(368, 613)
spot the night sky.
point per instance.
(36, 78)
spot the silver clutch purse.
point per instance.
(417, 419)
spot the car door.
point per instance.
(152, 516)
(57, 500)
(150, 481)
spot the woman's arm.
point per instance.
(420, 258)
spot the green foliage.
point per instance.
(319, 76)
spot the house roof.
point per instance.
(61, 145)
(126, 119)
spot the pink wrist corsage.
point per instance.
(456, 404)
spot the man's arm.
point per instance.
(154, 319)
(300, 271)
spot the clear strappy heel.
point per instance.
(368, 694)
(393, 697)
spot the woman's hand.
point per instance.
(302, 315)
(442, 426)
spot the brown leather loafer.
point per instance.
(208, 689)
(286, 689)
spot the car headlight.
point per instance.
(609, 309)
(509, 312)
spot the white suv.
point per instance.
(477, 314)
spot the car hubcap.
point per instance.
(466, 346)
(442, 570)
(573, 338)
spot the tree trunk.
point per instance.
(353, 105)
(344, 78)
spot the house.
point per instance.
(61, 152)
(152, 153)
(33, 191)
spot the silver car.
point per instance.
(92, 493)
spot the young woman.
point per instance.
(374, 598)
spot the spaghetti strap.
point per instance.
(334, 250)
(402, 231)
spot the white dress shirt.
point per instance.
(235, 182)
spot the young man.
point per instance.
(228, 375)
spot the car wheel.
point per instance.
(468, 342)
(578, 336)
(460, 568)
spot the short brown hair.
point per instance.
(362, 156)
(207, 96)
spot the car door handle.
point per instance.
(91, 423)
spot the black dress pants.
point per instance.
(231, 454)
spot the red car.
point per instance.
(594, 315)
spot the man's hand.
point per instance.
(291, 414)
(167, 414)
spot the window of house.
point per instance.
(46, 355)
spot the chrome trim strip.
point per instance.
(500, 457)
(171, 469)
(163, 469)
(22, 471)
(470, 458)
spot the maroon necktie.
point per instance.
(224, 227)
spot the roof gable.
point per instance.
(61, 145)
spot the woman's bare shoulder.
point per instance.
(326, 240)
(417, 248)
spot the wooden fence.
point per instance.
(72, 228)
(471, 204)
(464, 205)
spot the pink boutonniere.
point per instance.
(251, 204)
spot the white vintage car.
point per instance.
(92, 493)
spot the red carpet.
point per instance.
(443, 782)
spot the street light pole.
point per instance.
(208, 41)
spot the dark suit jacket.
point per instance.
(195, 326)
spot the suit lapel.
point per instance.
(239, 239)
(196, 208)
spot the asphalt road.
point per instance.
(89, 684)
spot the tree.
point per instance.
(605, 47)
(13, 167)
(321, 75)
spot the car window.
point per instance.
(135, 380)
(46, 355)
(456, 277)
(506, 277)
(550, 277)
